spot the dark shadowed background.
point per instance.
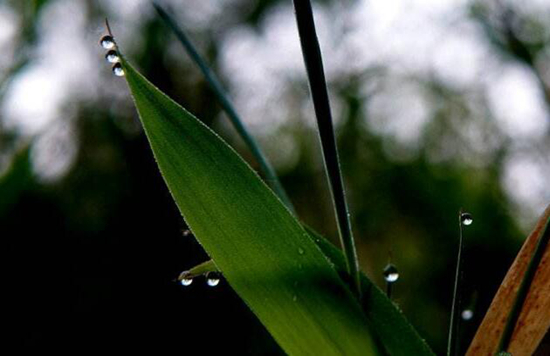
(438, 105)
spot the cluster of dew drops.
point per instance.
(212, 278)
(112, 56)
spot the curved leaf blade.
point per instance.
(519, 314)
(262, 250)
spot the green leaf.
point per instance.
(262, 250)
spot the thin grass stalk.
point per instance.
(452, 343)
(317, 83)
(265, 167)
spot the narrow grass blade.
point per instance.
(453, 344)
(519, 315)
(215, 85)
(317, 83)
(199, 270)
(262, 250)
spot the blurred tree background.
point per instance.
(439, 105)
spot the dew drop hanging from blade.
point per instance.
(186, 282)
(185, 278)
(466, 219)
(112, 56)
(391, 274)
(107, 42)
(117, 70)
(212, 279)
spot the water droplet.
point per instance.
(186, 281)
(466, 219)
(186, 232)
(301, 251)
(107, 42)
(391, 274)
(212, 279)
(112, 56)
(117, 69)
(185, 278)
(467, 314)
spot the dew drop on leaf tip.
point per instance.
(212, 279)
(186, 281)
(466, 219)
(112, 56)
(117, 70)
(391, 274)
(107, 42)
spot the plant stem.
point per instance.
(452, 344)
(227, 106)
(317, 83)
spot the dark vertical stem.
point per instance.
(388, 289)
(227, 106)
(317, 83)
(452, 345)
(108, 28)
